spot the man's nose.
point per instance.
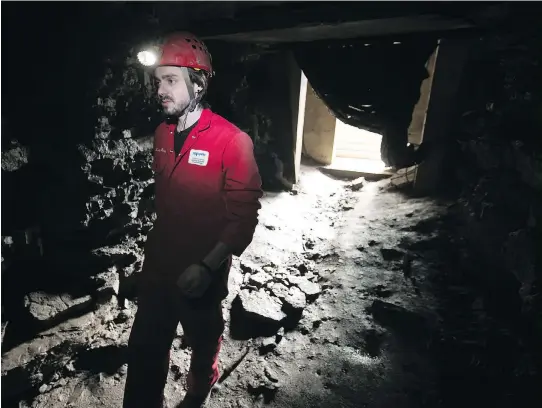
(161, 91)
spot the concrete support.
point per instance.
(348, 29)
(415, 129)
(450, 61)
(319, 129)
(298, 95)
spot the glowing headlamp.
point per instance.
(149, 56)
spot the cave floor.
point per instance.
(393, 325)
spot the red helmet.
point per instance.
(185, 50)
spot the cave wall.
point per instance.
(496, 159)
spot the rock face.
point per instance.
(89, 212)
(501, 167)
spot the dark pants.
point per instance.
(160, 309)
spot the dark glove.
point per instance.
(195, 280)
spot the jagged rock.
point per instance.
(109, 283)
(110, 148)
(280, 334)
(296, 299)
(398, 317)
(271, 375)
(301, 267)
(262, 385)
(145, 143)
(270, 269)
(120, 256)
(310, 321)
(379, 291)
(4, 326)
(310, 289)
(292, 280)
(249, 267)
(279, 290)
(268, 344)
(258, 304)
(390, 254)
(356, 184)
(309, 243)
(259, 279)
(39, 371)
(45, 308)
(14, 158)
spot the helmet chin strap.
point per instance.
(193, 102)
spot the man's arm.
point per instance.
(242, 192)
(219, 254)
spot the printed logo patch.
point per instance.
(198, 157)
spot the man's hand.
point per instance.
(194, 281)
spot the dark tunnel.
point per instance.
(395, 260)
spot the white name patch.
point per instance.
(198, 157)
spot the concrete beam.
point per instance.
(298, 96)
(350, 29)
(415, 129)
(451, 59)
(318, 129)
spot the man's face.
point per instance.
(172, 90)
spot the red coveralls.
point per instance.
(209, 193)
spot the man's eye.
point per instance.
(171, 81)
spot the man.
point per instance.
(207, 200)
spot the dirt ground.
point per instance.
(381, 318)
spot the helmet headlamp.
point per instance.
(149, 56)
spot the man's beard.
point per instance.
(175, 110)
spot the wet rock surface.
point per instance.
(348, 329)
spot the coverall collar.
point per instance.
(203, 123)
